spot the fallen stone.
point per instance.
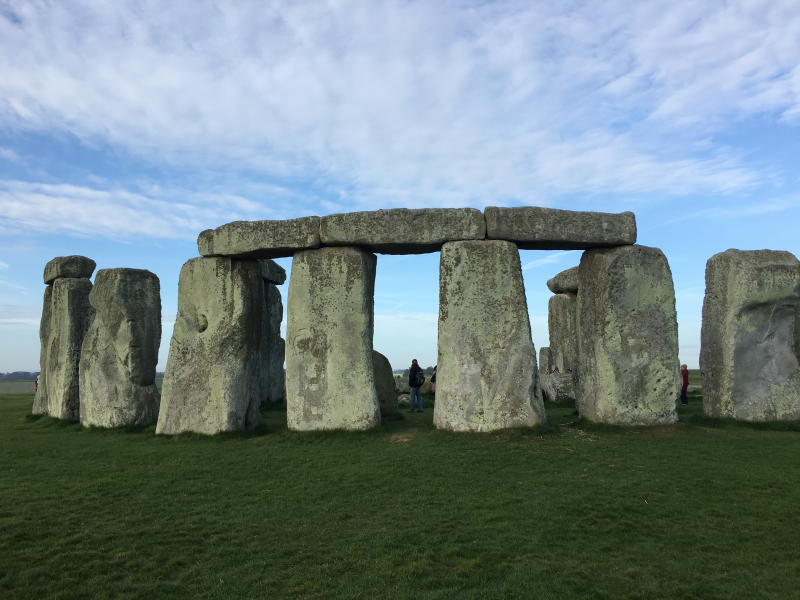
(565, 282)
(487, 377)
(330, 382)
(40, 405)
(403, 230)
(562, 324)
(627, 337)
(404, 399)
(272, 271)
(273, 351)
(402, 385)
(260, 239)
(749, 339)
(213, 382)
(68, 267)
(120, 350)
(427, 387)
(537, 228)
(384, 386)
(559, 387)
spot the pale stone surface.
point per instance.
(402, 385)
(403, 230)
(565, 282)
(384, 385)
(559, 387)
(260, 239)
(68, 267)
(404, 399)
(750, 338)
(212, 382)
(537, 228)
(120, 350)
(628, 371)
(70, 315)
(545, 361)
(330, 381)
(563, 326)
(487, 376)
(40, 405)
(272, 344)
(272, 271)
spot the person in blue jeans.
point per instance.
(415, 380)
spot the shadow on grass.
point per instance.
(722, 423)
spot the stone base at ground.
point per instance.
(487, 375)
(384, 386)
(330, 383)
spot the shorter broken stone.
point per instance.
(68, 267)
(272, 271)
(384, 385)
(260, 239)
(565, 282)
(559, 387)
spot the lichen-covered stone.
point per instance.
(559, 387)
(487, 376)
(565, 282)
(272, 272)
(40, 406)
(385, 386)
(563, 326)
(545, 361)
(403, 230)
(260, 239)
(627, 337)
(120, 350)
(70, 316)
(402, 385)
(537, 228)
(212, 382)
(272, 344)
(68, 267)
(750, 339)
(330, 381)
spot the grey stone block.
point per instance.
(487, 376)
(403, 230)
(68, 267)
(750, 338)
(545, 361)
(565, 282)
(384, 385)
(40, 406)
(330, 382)
(402, 385)
(537, 228)
(562, 322)
(559, 387)
(627, 337)
(260, 239)
(120, 350)
(272, 271)
(272, 344)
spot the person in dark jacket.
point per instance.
(685, 386)
(415, 380)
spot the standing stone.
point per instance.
(562, 323)
(120, 350)
(627, 337)
(68, 267)
(213, 378)
(487, 377)
(750, 338)
(330, 381)
(559, 387)
(40, 405)
(565, 282)
(545, 361)
(272, 344)
(385, 386)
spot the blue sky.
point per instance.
(128, 128)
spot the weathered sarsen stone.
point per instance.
(385, 386)
(272, 344)
(627, 337)
(212, 382)
(750, 339)
(403, 230)
(563, 326)
(537, 228)
(40, 405)
(487, 376)
(260, 239)
(545, 361)
(68, 267)
(565, 282)
(330, 381)
(120, 350)
(559, 387)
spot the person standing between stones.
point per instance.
(415, 380)
(685, 386)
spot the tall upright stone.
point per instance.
(628, 371)
(212, 382)
(545, 361)
(120, 350)
(385, 386)
(487, 377)
(272, 344)
(750, 339)
(563, 326)
(40, 406)
(329, 371)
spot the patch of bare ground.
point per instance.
(404, 436)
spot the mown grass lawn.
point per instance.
(697, 510)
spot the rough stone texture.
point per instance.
(402, 230)
(563, 326)
(565, 282)
(487, 376)
(402, 385)
(272, 344)
(212, 382)
(260, 239)
(384, 385)
(120, 350)
(628, 371)
(68, 267)
(404, 399)
(545, 361)
(70, 316)
(40, 399)
(272, 272)
(559, 387)
(537, 228)
(750, 340)
(330, 381)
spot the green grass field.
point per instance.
(701, 509)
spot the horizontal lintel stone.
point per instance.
(260, 239)
(68, 267)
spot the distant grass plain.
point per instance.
(702, 509)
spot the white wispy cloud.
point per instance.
(547, 260)
(3, 265)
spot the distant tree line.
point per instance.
(426, 370)
(19, 375)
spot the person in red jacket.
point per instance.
(685, 386)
